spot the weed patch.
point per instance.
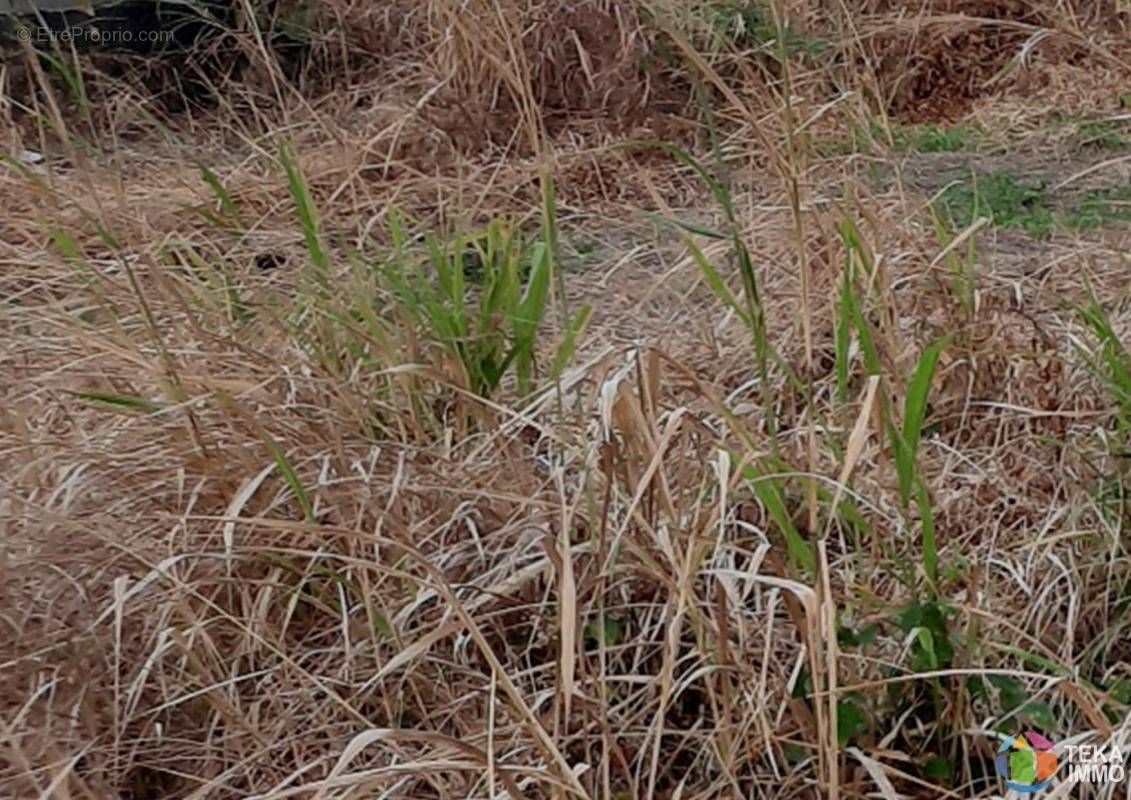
(1100, 208)
(1006, 200)
(752, 25)
(1010, 202)
(1105, 134)
(931, 138)
(903, 138)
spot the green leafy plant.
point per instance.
(904, 438)
(495, 327)
(1009, 699)
(932, 647)
(851, 718)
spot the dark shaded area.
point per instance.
(134, 26)
(182, 53)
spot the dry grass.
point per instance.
(254, 546)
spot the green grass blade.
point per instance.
(226, 203)
(307, 215)
(1030, 658)
(718, 190)
(288, 474)
(716, 282)
(684, 225)
(533, 304)
(768, 489)
(843, 336)
(1113, 355)
(72, 77)
(918, 391)
(770, 494)
(851, 306)
(915, 408)
(442, 264)
(569, 341)
(930, 555)
(67, 246)
(528, 316)
(457, 279)
(551, 241)
(119, 400)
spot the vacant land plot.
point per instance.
(597, 398)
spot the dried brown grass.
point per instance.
(174, 627)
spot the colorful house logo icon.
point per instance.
(1027, 763)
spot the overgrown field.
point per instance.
(567, 398)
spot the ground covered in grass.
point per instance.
(589, 399)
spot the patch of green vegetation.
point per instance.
(1100, 208)
(925, 138)
(747, 24)
(1108, 359)
(1102, 132)
(1010, 202)
(933, 139)
(929, 138)
(493, 330)
(1006, 200)
(585, 246)
(1109, 134)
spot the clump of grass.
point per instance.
(481, 296)
(492, 328)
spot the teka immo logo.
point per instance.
(1089, 763)
(1027, 763)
